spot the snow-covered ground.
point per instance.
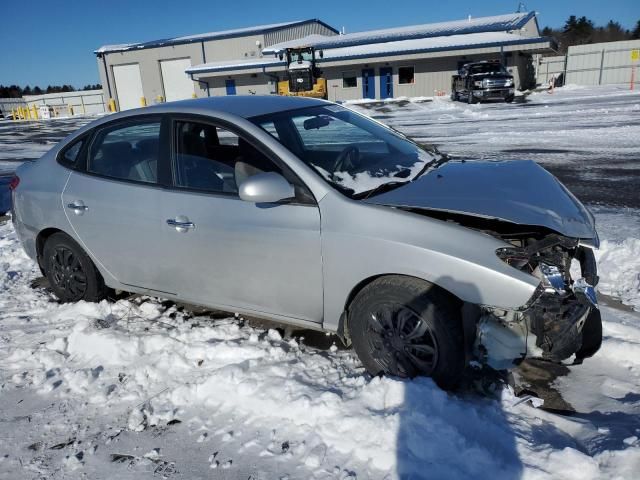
(142, 389)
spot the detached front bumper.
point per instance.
(559, 321)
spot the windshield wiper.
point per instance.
(435, 163)
(385, 187)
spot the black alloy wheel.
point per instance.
(401, 341)
(67, 272)
(407, 327)
(71, 274)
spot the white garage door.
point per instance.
(128, 85)
(177, 84)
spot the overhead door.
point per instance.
(128, 85)
(177, 84)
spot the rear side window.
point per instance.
(69, 156)
(126, 152)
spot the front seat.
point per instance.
(250, 162)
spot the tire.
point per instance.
(71, 274)
(454, 96)
(509, 99)
(470, 98)
(407, 327)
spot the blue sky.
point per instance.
(44, 42)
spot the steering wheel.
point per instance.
(346, 158)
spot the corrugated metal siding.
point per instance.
(233, 48)
(431, 76)
(595, 64)
(550, 67)
(245, 85)
(298, 31)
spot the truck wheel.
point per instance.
(454, 96)
(407, 327)
(71, 273)
(470, 98)
(509, 99)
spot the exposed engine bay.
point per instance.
(562, 317)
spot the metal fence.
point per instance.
(595, 64)
(86, 102)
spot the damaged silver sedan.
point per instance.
(307, 213)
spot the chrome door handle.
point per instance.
(181, 225)
(78, 207)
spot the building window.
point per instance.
(349, 79)
(406, 75)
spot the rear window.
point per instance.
(69, 156)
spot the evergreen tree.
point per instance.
(636, 31)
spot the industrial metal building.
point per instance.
(405, 61)
(137, 74)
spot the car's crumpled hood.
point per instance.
(517, 191)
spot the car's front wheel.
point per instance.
(71, 274)
(407, 327)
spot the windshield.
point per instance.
(300, 56)
(350, 151)
(487, 68)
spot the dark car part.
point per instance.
(70, 272)
(406, 327)
(562, 306)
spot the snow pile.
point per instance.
(619, 270)
(619, 254)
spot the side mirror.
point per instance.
(266, 187)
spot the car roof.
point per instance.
(241, 105)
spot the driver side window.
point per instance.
(213, 159)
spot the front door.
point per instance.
(386, 82)
(368, 83)
(114, 207)
(232, 254)
(230, 85)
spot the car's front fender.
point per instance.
(361, 241)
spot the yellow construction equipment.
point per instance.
(304, 78)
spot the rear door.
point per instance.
(229, 253)
(113, 202)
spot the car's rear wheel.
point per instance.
(71, 274)
(407, 327)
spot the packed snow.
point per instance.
(142, 388)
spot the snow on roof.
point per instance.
(419, 45)
(450, 42)
(236, 32)
(496, 23)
